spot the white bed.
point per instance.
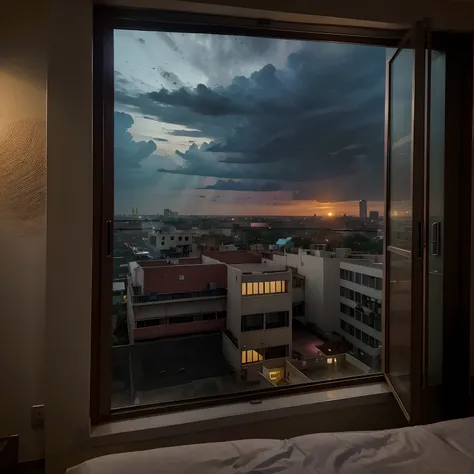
(446, 447)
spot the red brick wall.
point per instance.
(234, 256)
(196, 277)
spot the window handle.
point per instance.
(108, 238)
(435, 238)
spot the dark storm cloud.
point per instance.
(187, 133)
(171, 77)
(231, 185)
(141, 40)
(319, 119)
(160, 139)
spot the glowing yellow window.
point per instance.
(255, 288)
(260, 288)
(249, 289)
(272, 287)
(283, 286)
(267, 287)
(244, 359)
(278, 286)
(244, 289)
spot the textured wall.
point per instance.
(23, 67)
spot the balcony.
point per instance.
(189, 295)
(178, 329)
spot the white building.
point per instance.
(361, 308)
(321, 287)
(173, 243)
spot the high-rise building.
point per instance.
(374, 215)
(363, 209)
(167, 213)
(134, 211)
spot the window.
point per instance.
(171, 237)
(251, 356)
(252, 322)
(186, 239)
(276, 352)
(276, 320)
(206, 146)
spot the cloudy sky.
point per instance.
(229, 125)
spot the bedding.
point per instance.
(446, 447)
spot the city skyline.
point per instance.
(229, 125)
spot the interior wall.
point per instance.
(22, 219)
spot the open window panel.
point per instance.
(415, 202)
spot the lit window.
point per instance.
(255, 288)
(244, 289)
(260, 288)
(267, 287)
(249, 289)
(283, 286)
(278, 286)
(272, 287)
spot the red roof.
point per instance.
(234, 256)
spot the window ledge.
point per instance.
(203, 419)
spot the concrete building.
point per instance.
(363, 209)
(258, 336)
(320, 270)
(167, 213)
(374, 215)
(361, 308)
(170, 299)
(173, 244)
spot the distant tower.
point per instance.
(134, 211)
(363, 209)
(167, 213)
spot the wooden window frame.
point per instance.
(106, 19)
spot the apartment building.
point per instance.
(175, 298)
(361, 308)
(258, 336)
(320, 294)
(173, 244)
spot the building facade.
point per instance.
(166, 299)
(361, 309)
(173, 244)
(363, 209)
(258, 336)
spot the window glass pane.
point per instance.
(400, 199)
(224, 146)
(399, 321)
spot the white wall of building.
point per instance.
(321, 274)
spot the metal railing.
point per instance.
(157, 297)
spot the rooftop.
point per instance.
(259, 267)
(232, 257)
(363, 263)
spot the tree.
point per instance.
(363, 243)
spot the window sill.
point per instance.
(203, 419)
